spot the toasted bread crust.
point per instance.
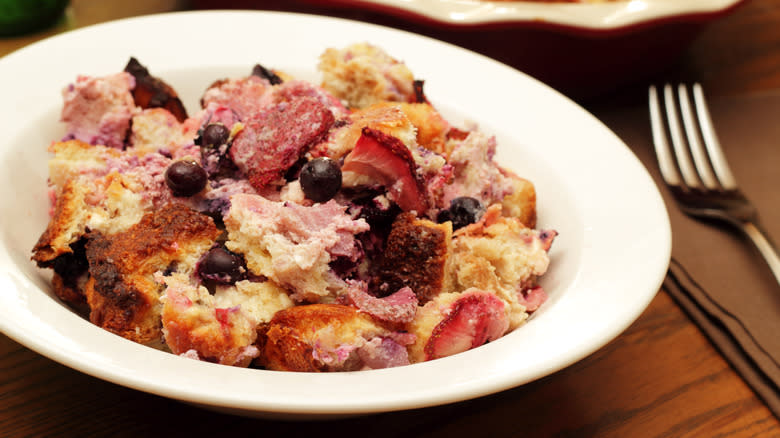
(122, 309)
(70, 292)
(499, 254)
(431, 126)
(78, 178)
(152, 92)
(521, 203)
(415, 256)
(65, 227)
(287, 342)
(385, 117)
(363, 74)
(121, 293)
(195, 324)
(74, 158)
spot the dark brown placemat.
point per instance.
(716, 274)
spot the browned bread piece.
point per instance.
(415, 256)
(86, 196)
(307, 338)
(431, 127)
(363, 74)
(122, 294)
(521, 203)
(121, 204)
(157, 130)
(66, 225)
(197, 326)
(498, 254)
(73, 158)
(153, 92)
(71, 291)
(386, 117)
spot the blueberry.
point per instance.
(320, 179)
(214, 134)
(222, 266)
(185, 177)
(463, 211)
(377, 215)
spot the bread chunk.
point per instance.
(122, 294)
(501, 255)
(415, 257)
(157, 130)
(75, 158)
(454, 322)
(97, 110)
(521, 202)
(385, 117)
(431, 126)
(99, 189)
(362, 74)
(293, 244)
(195, 325)
(66, 226)
(318, 337)
(152, 92)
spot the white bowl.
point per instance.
(607, 263)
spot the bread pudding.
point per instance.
(339, 226)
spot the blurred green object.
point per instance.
(23, 16)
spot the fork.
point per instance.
(698, 176)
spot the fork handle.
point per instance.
(765, 246)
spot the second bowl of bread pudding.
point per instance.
(582, 48)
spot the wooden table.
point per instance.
(660, 378)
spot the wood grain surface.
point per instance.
(736, 55)
(660, 378)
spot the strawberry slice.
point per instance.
(474, 318)
(276, 137)
(387, 161)
(532, 298)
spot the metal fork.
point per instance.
(698, 175)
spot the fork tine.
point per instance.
(678, 141)
(662, 151)
(692, 132)
(717, 158)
